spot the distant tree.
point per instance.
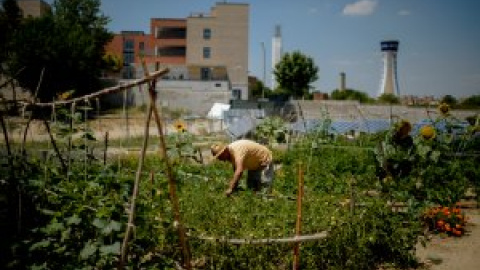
(295, 72)
(388, 98)
(68, 45)
(471, 102)
(449, 99)
(350, 94)
(259, 90)
(10, 20)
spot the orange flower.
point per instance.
(447, 227)
(440, 223)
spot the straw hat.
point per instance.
(217, 150)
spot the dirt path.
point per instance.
(452, 253)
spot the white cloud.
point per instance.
(360, 8)
(404, 12)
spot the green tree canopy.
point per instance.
(449, 99)
(10, 19)
(295, 72)
(471, 102)
(68, 45)
(388, 98)
(258, 90)
(350, 94)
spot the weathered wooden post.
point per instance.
(298, 227)
(172, 184)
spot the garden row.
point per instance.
(78, 220)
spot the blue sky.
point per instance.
(439, 50)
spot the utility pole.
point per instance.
(264, 71)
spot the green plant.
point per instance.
(427, 167)
(78, 220)
(271, 130)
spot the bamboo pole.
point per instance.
(54, 144)
(152, 177)
(105, 149)
(30, 118)
(125, 115)
(172, 185)
(7, 143)
(352, 195)
(104, 91)
(298, 227)
(131, 214)
(267, 241)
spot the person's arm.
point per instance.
(238, 170)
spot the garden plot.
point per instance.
(78, 218)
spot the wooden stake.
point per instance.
(172, 184)
(7, 143)
(104, 91)
(105, 149)
(131, 214)
(298, 227)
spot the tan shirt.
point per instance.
(252, 155)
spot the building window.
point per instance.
(171, 51)
(141, 46)
(129, 45)
(218, 85)
(206, 73)
(128, 58)
(207, 33)
(171, 33)
(206, 52)
(236, 94)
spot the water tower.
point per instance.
(389, 83)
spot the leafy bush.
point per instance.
(429, 166)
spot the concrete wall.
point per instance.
(353, 110)
(193, 97)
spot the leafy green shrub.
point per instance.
(373, 237)
(428, 167)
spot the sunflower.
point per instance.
(402, 129)
(65, 95)
(444, 109)
(180, 126)
(428, 132)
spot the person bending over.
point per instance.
(247, 155)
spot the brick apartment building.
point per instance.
(202, 47)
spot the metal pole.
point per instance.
(264, 71)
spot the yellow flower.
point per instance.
(444, 109)
(65, 95)
(428, 132)
(403, 129)
(180, 126)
